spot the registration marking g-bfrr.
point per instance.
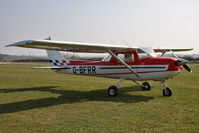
(84, 69)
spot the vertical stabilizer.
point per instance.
(56, 58)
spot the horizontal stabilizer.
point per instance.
(52, 67)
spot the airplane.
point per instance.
(123, 62)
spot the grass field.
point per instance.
(43, 101)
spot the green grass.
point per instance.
(43, 101)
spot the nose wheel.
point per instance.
(166, 91)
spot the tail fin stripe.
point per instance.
(59, 62)
(63, 61)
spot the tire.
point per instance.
(167, 92)
(146, 86)
(112, 91)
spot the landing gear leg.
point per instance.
(145, 86)
(121, 80)
(113, 90)
(166, 91)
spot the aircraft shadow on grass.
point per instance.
(69, 96)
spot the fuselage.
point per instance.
(151, 68)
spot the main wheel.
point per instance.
(167, 92)
(112, 91)
(146, 86)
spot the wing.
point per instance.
(71, 46)
(88, 47)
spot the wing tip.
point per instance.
(172, 49)
(18, 44)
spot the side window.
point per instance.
(121, 56)
(128, 57)
(143, 55)
(107, 58)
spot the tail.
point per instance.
(56, 58)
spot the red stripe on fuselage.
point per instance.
(125, 73)
(146, 61)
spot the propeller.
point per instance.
(182, 62)
(187, 68)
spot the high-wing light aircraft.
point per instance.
(123, 62)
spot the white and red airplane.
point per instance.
(123, 62)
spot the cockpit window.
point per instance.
(143, 55)
(128, 57)
(107, 58)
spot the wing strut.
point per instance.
(122, 62)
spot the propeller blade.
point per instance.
(187, 68)
(175, 55)
(182, 62)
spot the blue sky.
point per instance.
(161, 23)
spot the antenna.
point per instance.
(125, 42)
(111, 40)
(49, 38)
